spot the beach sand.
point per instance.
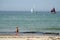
(29, 37)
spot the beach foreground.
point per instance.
(29, 37)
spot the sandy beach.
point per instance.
(29, 37)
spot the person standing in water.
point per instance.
(17, 31)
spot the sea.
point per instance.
(27, 21)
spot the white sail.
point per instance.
(32, 10)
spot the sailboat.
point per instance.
(32, 10)
(53, 10)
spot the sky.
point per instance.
(26, 5)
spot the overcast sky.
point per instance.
(22, 5)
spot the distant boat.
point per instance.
(32, 10)
(53, 10)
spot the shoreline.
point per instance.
(29, 36)
(40, 33)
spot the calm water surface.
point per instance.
(27, 21)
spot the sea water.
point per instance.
(27, 21)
